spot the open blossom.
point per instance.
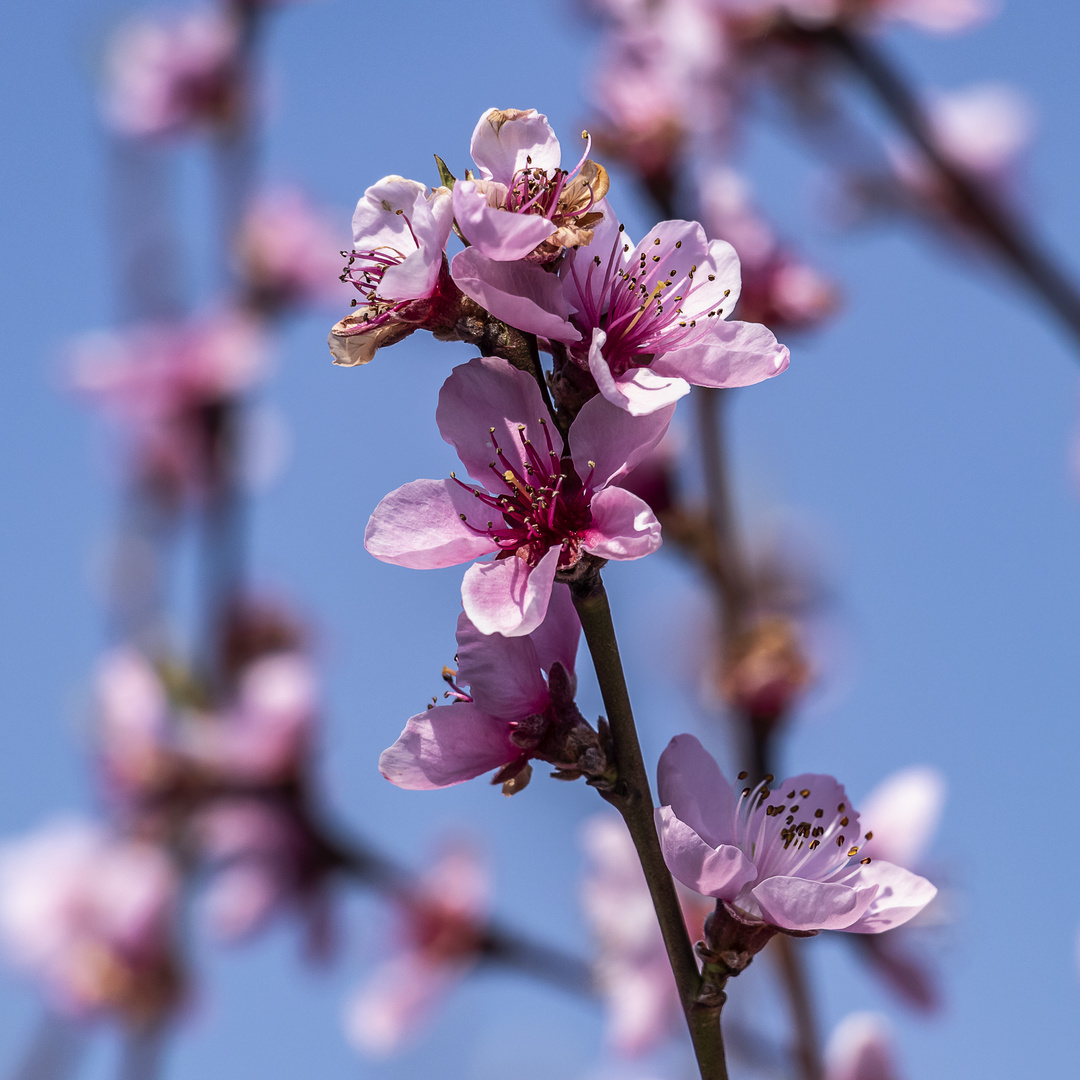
(400, 229)
(537, 508)
(524, 205)
(89, 915)
(861, 1048)
(788, 856)
(509, 712)
(647, 320)
(165, 76)
(442, 928)
(288, 253)
(632, 967)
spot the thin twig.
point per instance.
(633, 799)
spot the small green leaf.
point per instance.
(445, 175)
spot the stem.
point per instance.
(538, 374)
(807, 1048)
(633, 799)
(979, 209)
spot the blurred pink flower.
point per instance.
(861, 1048)
(507, 712)
(789, 864)
(934, 16)
(442, 927)
(632, 968)
(524, 205)
(647, 321)
(89, 916)
(538, 509)
(167, 75)
(156, 379)
(289, 253)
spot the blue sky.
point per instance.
(922, 440)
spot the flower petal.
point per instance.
(733, 354)
(795, 903)
(419, 525)
(640, 391)
(901, 895)
(623, 526)
(521, 294)
(497, 232)
(508, 596)
(556, 638)
(608, 442)
(719, 872)
(507, 140)
(416, 275)
(446, 745)
(691, 783)
(502, 673)
(481, 406)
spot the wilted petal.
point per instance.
(354, 342)
(691, 783)
(419, 525)
(901, 895)
(712, 871)
(508, 596)
(446, 745)
(794, 903)
(623, 526)
(521, 294)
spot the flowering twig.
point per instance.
(632, 797)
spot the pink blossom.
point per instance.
(154, 379)
(400, 229)
(861, 1048)
(88, 915)
(524, 205)
(289, 254)
(508, 709)
(166, 76)
(442, 926)
(935, 16)
(789, 863)
(632, 968)
(538, 508)
(647, 321)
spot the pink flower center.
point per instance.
(538, 506)
(797, 836)
(536, 191)
(634, 308)
(366, 268)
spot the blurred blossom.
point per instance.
(441, 933)
(861, 1048)
(765, 670)
(933, 16)
(632, 967)
(265, 865)
(778, 288)
(289, 253)
(89, 916)
(159, 380)
(169, 74)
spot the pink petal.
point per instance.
(521, 294)
(556, 638)
(607, 442)
(640, 391)
(584, 279)
(719, 872)
(503, 148)
(795, 903)
(502, 673)
(734, 354)
(901, 895)
(419, 526)
(623, 526)
(508, 596)
(903, 812)
(490, 393)
(446, 745)
(496, 232)
(691, 783)
(415, 277)
(861, 1049)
